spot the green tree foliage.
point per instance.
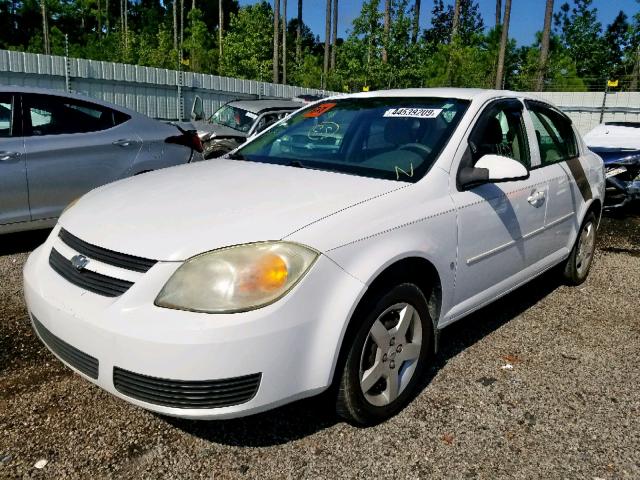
(583, 53)
(247, 44)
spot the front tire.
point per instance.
(578, 264)
(386, 358)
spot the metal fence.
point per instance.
(588, 109)
(156, 92)
(168, 94)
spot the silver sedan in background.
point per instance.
(54, 147)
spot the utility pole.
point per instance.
(327, 42)
(635, 80)
(276, 36)
(334, 40)
(45, 28)
(284, 42)
(220, 27)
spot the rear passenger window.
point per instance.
(6, 110)
(556, 140)
(50, 115)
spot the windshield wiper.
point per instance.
(236, 156)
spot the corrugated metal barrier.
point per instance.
(151, 91)
(169, 94)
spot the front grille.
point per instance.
(74, 357)
(92, 281)
(129, 262)
(187, 394)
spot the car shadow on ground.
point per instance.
(306, 417)
(22, 242)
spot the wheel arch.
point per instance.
(418, 270)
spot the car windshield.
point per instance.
(233, 117)
(390, 138)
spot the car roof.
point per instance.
(60, 93)
(461, 93)
(257, 106)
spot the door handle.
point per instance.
(536, 199)
(125, 142)
(5, 156)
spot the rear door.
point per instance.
(559, 159)
(14, 200)
(73, 146)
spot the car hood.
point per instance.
(175, 213)
(613, 136)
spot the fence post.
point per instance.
(67, 65)
(604, 101)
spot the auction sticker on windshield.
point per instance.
(413, 112)
(319, 110)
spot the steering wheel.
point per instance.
(418, 148)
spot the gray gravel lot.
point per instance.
(569, 407)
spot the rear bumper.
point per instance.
(290, 347)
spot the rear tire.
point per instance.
(386, 357)
(577, 266)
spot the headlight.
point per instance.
(238, 278)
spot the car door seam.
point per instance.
(444, 212)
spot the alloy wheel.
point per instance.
(390, 354)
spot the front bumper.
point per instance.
(291, 345)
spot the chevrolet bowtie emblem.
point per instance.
(79, 262)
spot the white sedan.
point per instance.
(327, 253)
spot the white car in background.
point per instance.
(618, 143)
(328, 251)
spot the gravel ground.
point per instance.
(569, 407)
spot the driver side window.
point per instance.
(501, 131)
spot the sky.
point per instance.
(527, 16)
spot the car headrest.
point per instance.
(492, 132)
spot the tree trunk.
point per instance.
(456, 19)
(284, 41)
(122, 21)
(503, 45)
(498, 12)
(193, 4)
(106, 15)
(126, 24)
(635, 75)
(220, 29)
(45, 28)
(181, 27)
(299, 34)
(276, 36)
(99, 18)
(175, 25)
(416, 21)
(327, 42)
(387, 26)
(334, 40)
(544, 48)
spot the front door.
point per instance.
(498, 223)
(72, 147)
(14, 197)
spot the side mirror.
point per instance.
(493, 168)
(502, 169)
(197, 109)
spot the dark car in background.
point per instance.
(233, 123)
(55, 147)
